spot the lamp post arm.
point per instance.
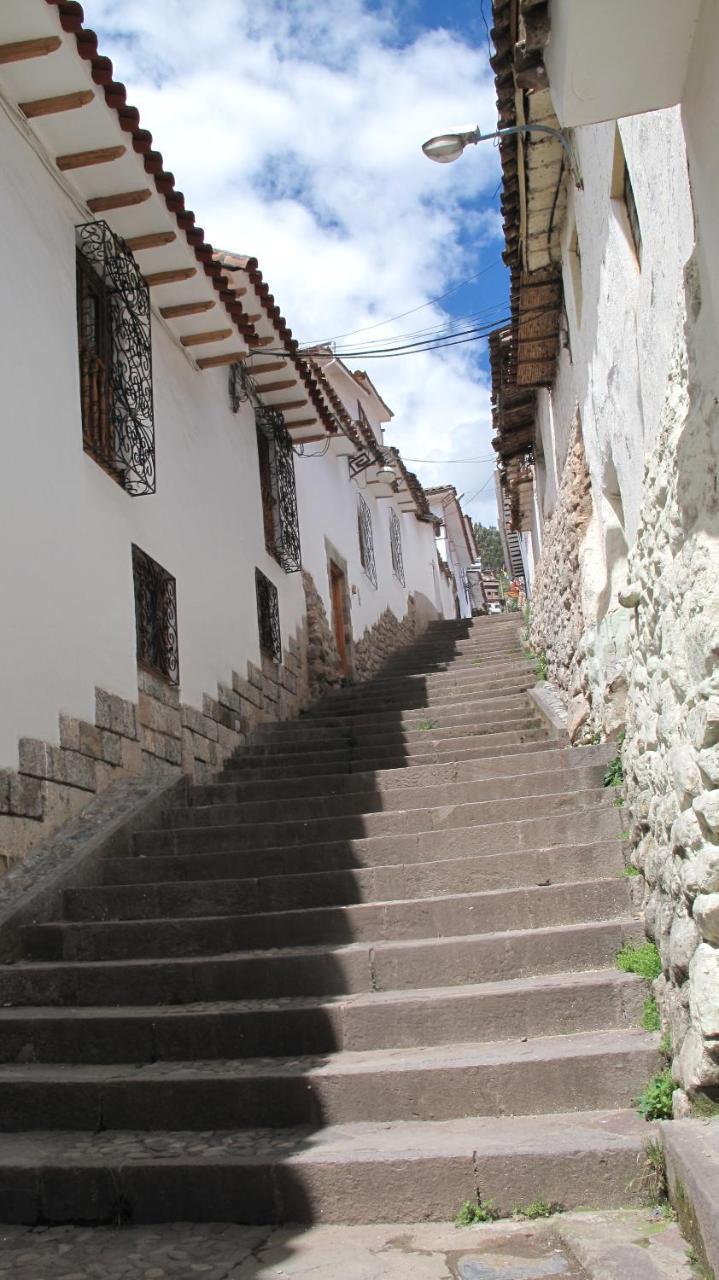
(536, 128)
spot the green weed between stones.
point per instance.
(650, 1015)
(643, 959)
(651, 1181)
(538, 1209)
(425, 725)
(540, 665)
(631, 871)
(655, 1101)
(474, 1212)
(614, 776)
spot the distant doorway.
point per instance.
(338, 588)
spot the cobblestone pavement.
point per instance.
(632, 1245)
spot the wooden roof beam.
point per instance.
(170, 277)
(272, 366)
(82, 159)
(212, 362)
(62, 102)
(20, 50)
(186, 309)
(122, 200)
(283, 385)
(292, 404)
(153, 240)
(213, 335)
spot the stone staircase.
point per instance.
(364, 976)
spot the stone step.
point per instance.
(526, 835)
(146, 901)
(575, 1072)
(453, 915)
(387, 739)
(209, 806)
(403, 1171)
(548, 1006)
(255, 835)
(320, 971)
(464, 709)
(522, 762)
(412, 703)
(480, 747)
(391, 737)
(563, 819)
(402, 691)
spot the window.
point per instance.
(366, 541)
(277, 487)
(395, 542)
(155, 617)
(113, 324)
(268, 617)
(623, 193)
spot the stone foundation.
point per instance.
(557, 618)
(671, 751)
(381, 640)
(156, 736)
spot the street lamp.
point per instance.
(447, 147)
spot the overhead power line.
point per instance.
(413, 310)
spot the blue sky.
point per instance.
(294, 128)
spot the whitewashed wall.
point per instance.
(68, 620)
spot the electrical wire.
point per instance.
(443, 462)
(378, 323)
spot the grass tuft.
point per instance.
(538, 1209)
(474, 1212)
(655, 1101)
(650, 1015)
(642, 959)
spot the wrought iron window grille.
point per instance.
(279, 493)
(113, 320)
(366, 540)
(277, 472)
(268, 617)
(155, 617)
(395, 542)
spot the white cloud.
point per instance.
(294, 128)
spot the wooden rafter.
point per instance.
(186, 309)
(153, 240)
(197, 339)
(272, 366)
(121, 200)
(63, 102)
(82, 159)
(289, 405)
(277, 386)
(22, 49)
(170, 277)
(303, 422)
(229, 357)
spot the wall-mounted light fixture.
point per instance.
(446, 147)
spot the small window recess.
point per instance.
(622, 193)
(395, 540)
(155, 617)
(268, 617)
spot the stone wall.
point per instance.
(557, 620)
(366, 655)
(671, 751)
(157, 735)
(381, 639)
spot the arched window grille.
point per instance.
(366, 540)
(395, 541)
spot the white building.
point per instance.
(456, 546)
(605, 391)
(171, 463)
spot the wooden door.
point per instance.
(337, 585)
